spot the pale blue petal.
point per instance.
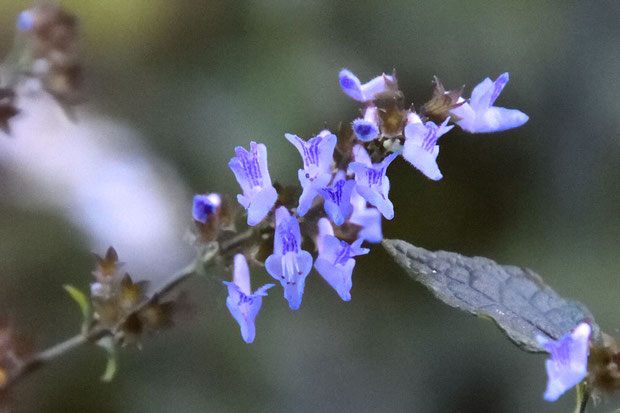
(351, 85)
(373, 197)
(261, 204)
(375, 86)
(367, 218)
(481, 95)
(337, 276)
(423, 160)
(497, 119)
(569, 360)
(338, 198)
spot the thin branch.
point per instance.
(41, 358)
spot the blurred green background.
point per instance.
(197, 78)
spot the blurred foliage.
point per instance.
(198, 78)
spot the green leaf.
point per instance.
(80, 298)
(107, 343)
(515, 298)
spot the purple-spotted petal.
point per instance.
(374, 185)
(291, 270)
(289, 264)
(242, 304)
(250, 169)
(338, 198)
(420, 147)
(317, 154)
(335, 263)
(569, 360)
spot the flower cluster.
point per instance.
(344, 188)
(121, 305)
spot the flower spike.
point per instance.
(242, 304)
(352, 86)
(317, 154)
(250, 169)
(289, 264)
(335, 262)
(479, 115)
(569, 360)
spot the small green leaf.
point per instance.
(515, 298)
(107, 343)
(80, 298)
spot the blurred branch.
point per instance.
(93, 336)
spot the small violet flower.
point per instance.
(369, 219)
(335, 262)
(569, 360)
(204, 206)
(421, 148)
(338, 198)
(289, 264)
(479, 115)
(25, 20)
(250, 169)
(352, 86)
(242, 304)
(317, 154)
(366, 129)
(372, 183)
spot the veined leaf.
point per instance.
(515, 298)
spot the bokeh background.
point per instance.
(193, 79)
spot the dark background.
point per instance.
(197, 78)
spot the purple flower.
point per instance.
(366, 129)
(338, 198)
(204, 206)
(352, 86)
(372, 183)
(242, 304)
(420, 148)
(479, 115)
(369, 219)
(317, 154)
(335, 262)
(569, 360)
(250, 169)
(289, 264)
(25, 20)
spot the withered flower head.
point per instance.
(52, 35)
(604, 365)
(106, 267)
(441, 103)
(391, 109)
